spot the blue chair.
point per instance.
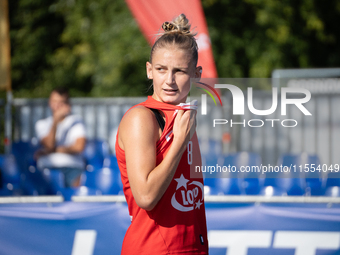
(54, 179)
(10, 169)
(246, 182)
(333, 180)
(106, 180)
(36, 177)
(11, 176)
(270, 188)
(211, 152)
(33, 182)
(293, 182)
(28, 187)
(24, 151)
(6, 191)
(222, 186)
(284, 183)
(95, 153)
(10, 189)
(303, 182)
(113, 164)
(333, 184)
(229, 186)
(233, 181)
(252, 181)
(315, 181)
(333, 191)
(67, 193)
(210, 188)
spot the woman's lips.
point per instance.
(170, 91)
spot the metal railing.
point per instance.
(207, 199)
(317, 134)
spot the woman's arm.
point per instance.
(138, 134)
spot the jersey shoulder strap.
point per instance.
(159, 118)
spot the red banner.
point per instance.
(150, 15)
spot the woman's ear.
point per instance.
(149, 70)
(198, 72)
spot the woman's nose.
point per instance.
(170, 77)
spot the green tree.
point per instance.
(250, 38)
(35, 33)
(96, 49)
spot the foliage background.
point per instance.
(95, 48)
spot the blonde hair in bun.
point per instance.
(177, 32)
(179, 25)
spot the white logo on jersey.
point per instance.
(167, 137)
(190, 200)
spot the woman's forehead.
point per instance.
(171, 55)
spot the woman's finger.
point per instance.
(180, 114)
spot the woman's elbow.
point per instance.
(146, 202)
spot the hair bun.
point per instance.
(177, 32)
(168, 26)
(180, 25)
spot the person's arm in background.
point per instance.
(77, 147)
(48, 142)
(76, 139)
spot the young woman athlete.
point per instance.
(165, 202)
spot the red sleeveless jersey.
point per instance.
(177, 224)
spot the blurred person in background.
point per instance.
(62, 137)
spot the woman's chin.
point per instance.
(170, 99)
(173, 100)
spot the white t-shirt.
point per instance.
(68, 131)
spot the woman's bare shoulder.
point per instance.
(139, 114)
(138, 121)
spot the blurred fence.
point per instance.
(316, 134)
(101, 115)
